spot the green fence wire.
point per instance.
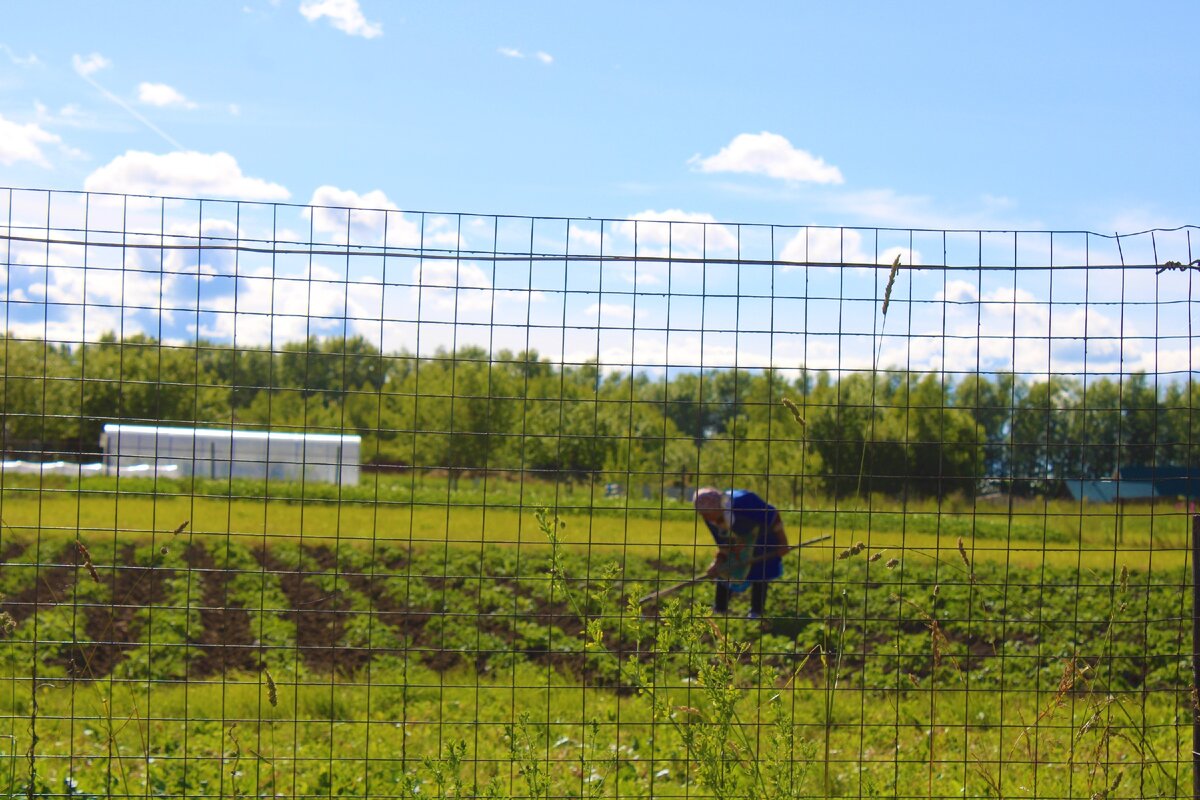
(302, 502)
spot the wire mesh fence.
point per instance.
(303, 502)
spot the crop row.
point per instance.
(190, 608)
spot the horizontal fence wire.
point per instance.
(301, 501)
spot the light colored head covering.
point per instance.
(709, 498)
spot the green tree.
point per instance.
(331, 366)
(940, 441)
(1139, 420)
(1043, 418)
(141, 380)
(39, 405)
(1096, 430)
(989, 401)
(241, 371)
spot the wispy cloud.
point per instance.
(27, 62)
(768, 154)
(70, 115)
(88, 66)
(512, 52)
(345, 15)
(162, 96)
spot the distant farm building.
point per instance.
(1140, 485)
(225, 453)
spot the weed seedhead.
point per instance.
(854, 550)
(1111, 789)
(795, 409)
(962, 553)
(892, 563)
(87, 559)
(887, 293)
(272, 689)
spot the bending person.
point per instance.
(750, 544)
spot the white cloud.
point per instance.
(512, 52)
(585, 240)
(447, 286)
(215, 259)
(162, 95)
(270, 306)
(683, 234)
(89, 65)
(24, 143)
(769, 154)
(345, 15)
(347, 217)
(840, 246)
(957, 291)
(611, 314)
(367, 214)
(182, 174)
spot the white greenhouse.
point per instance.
(224, 453)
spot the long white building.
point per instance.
(226, 453)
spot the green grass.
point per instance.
(500, 514)
(1012, 666)
(204, 738)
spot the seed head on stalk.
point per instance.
(87, 560)
(792, 407)
(887, 293)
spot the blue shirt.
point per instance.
(751, 519)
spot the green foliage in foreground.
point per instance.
(455, 671)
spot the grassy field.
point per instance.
(1029, 534)
(301, 647)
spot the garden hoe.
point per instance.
(676, 587)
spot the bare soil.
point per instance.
(113, 629)
(225, 641)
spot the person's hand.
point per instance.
(717, 567)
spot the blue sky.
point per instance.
(1016, 116)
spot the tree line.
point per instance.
(890, 431)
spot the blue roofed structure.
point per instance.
(1139, 484)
